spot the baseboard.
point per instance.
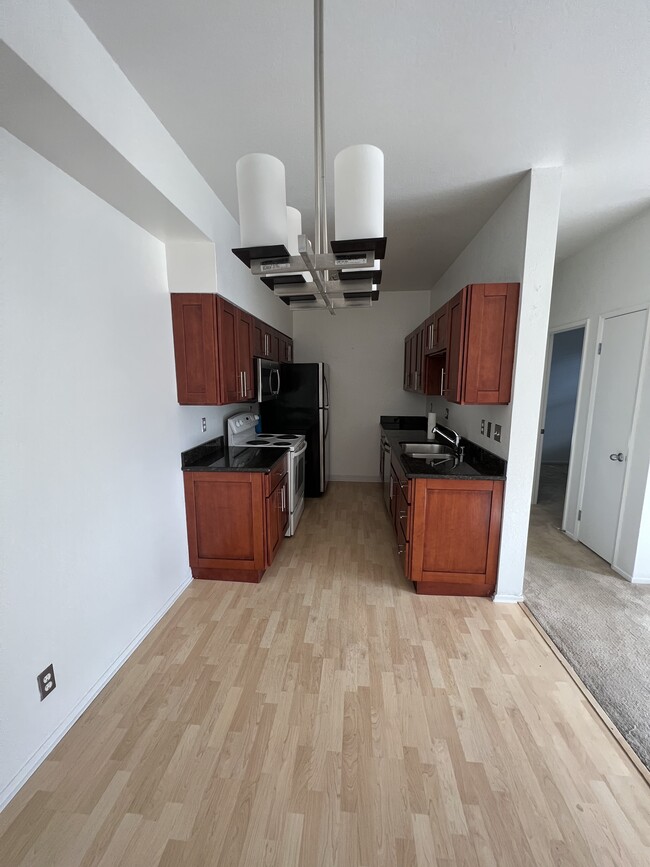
(39, 756)
(629, 577)
(572, 536)
(507, 598)
(372, 479)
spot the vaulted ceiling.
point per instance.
(463, 96)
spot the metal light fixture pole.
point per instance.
(320, 235)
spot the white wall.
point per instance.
(365, 351)
(611, 274)
(495, 255)
(55, 42)
(564, 378)
(91, 503)
(517, 244)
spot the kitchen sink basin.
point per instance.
(429, 451)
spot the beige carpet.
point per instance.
(599, 621)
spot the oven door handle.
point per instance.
(300, 451)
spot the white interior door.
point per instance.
(615, 398)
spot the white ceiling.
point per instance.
(463, 96)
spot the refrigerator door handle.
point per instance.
(327, 420)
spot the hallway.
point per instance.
(598, 620)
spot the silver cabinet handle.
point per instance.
(245, 383)
(416, 380)
(402, 513)
(241, 382)
(442, 381)
(403, 485)
(617, 457)
(390, 492)
(400, 549)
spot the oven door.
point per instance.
(297, 495)
(267, 380)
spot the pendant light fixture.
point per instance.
(273, 246)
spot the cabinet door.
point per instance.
(195, 348)
(275, 525)
(455, 347)
(413, 365)
(455, 534)
(275, 346)
(429, 334)
(490, 342)
(225, 520)
(407, 363)
(440, 326)
(229, 372)
(286, 349)
(245, 353)
(258, 338)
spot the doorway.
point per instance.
(558, 421)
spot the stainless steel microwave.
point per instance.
(267, 379)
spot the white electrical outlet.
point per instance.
(204, 425)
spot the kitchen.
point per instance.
(245, 491)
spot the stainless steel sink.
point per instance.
(429, 451)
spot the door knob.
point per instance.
(617, 457)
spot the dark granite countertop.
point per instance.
(477, 464)
(213, 457)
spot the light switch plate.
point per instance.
(483, 426)
(497, 433)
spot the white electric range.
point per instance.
(242, 434)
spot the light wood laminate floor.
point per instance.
(329, 716)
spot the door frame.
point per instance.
(559, 329)
(611, 314)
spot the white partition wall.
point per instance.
(517, 244)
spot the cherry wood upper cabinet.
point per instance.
(229, 371)
(492, 310)
(214, 346)
(440, 328)
(286, 349)
(194, 320)
(453, 375)
(469, 347)
(245, 354)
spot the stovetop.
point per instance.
(242, 433)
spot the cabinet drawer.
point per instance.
(402, 515)
(278, 472)
(403, 484)
(403, 550)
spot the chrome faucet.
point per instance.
(455, 439)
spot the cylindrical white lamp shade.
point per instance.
(294, 228)
(359, 193)
(262, 198)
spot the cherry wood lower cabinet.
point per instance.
(454, 529)
(235, 522)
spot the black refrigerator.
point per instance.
(303, 407)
